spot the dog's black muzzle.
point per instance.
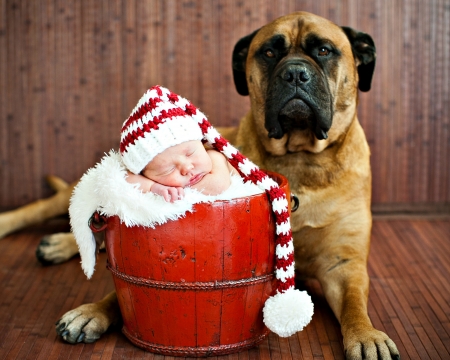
(298, 97)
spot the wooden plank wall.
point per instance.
(71, 71)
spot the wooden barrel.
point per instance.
(196, 286)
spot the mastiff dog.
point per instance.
(302, 74)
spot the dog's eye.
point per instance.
(270, 54)
(323, 51)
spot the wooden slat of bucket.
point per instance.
(113, 246)
(261, 232)
(237, 265)
(166, 260)
(262, 258)
(126, 304)
(237, 227)
(208, 310)
(240, 263)
(208, 239)
(203, 258)
(181, 330)
(173, 257)
(233, 302)
(208, 304)
(254, 301)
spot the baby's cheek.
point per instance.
(208, 165)
(178, 180)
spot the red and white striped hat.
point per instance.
(159, 120)
(162, 119)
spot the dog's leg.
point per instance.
(39, 210)
(346, 287)
(56, 248)
(56, 183)
(88, 322)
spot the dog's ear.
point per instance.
(239, 59)
(363, 48)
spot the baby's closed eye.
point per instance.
(168, 171)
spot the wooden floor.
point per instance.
(409, 267)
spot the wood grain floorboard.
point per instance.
(409, 299)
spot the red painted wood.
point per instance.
(172, 281)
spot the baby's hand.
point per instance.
(170, 193)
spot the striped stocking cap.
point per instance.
(162, 119)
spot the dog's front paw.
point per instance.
(370, 344)
(56, 248)
(86, 324)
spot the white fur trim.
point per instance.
(104, 188)
(289, 312)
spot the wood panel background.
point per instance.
(71, 71)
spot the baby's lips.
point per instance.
(195, 179)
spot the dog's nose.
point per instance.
(294, 74)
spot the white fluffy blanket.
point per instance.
(104, 189)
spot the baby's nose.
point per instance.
(186, 168)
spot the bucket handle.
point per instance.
(296, 201)
(97, 222)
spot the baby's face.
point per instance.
(181, 165)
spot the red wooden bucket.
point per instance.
(196, 286)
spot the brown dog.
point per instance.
(302, 73)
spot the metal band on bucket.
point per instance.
(210, 285)
(199, 351)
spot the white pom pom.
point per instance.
(288, 312)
